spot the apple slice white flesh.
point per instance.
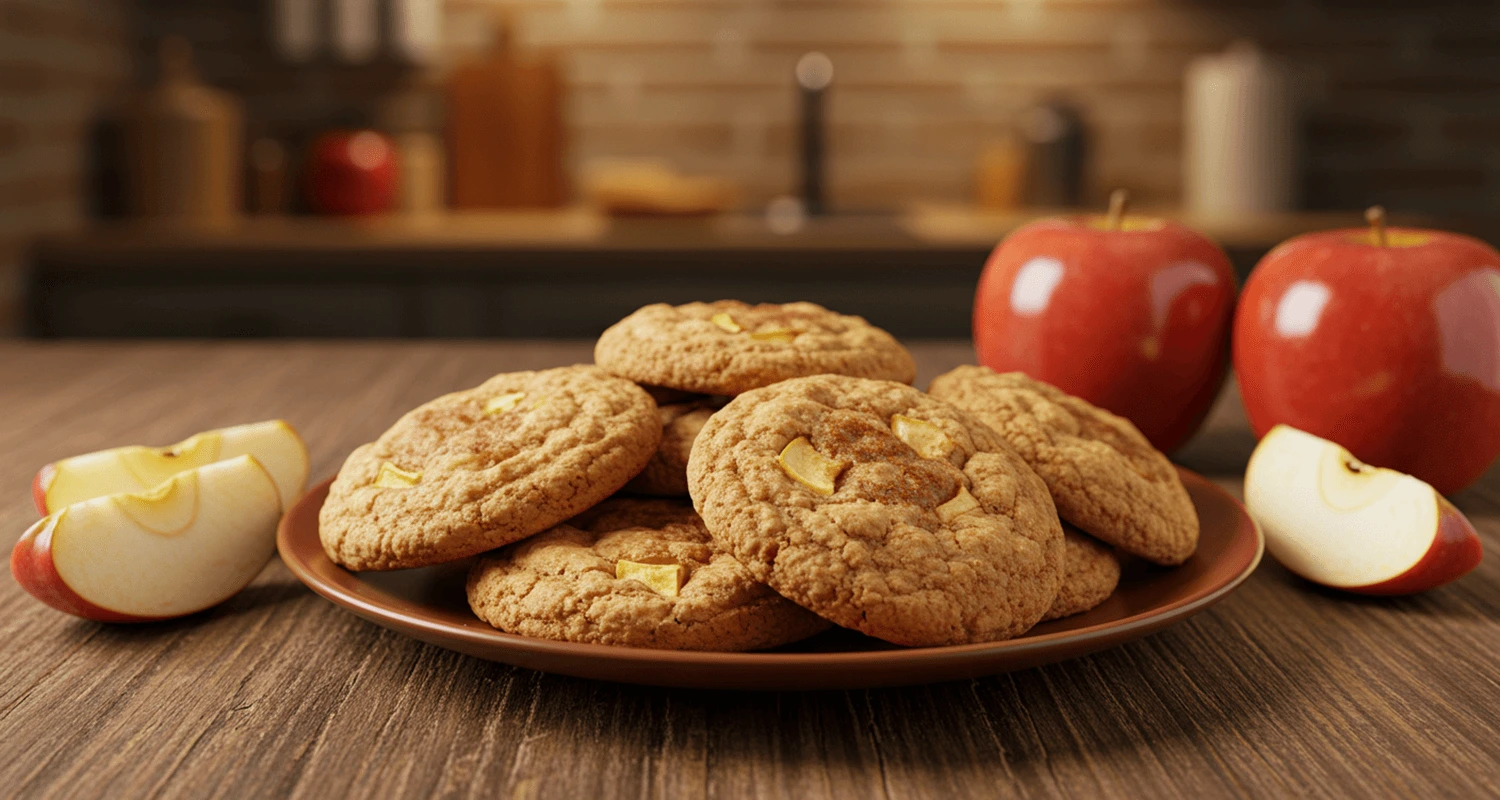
(1336, 521)
(275, 444)
(183, 546)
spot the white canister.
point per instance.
(1240, 138)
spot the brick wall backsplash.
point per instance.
(1402, 96)
(58, 60)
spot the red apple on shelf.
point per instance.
(352, 173)
(274, 443)
(1386, 341)
(1130, 313)
(1337, 521)
(181, 547)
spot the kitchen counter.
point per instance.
(926, 226)
(505, 275)
(1281, 690)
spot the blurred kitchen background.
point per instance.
(542, 167)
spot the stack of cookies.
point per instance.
(736, 477)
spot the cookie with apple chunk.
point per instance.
(635, 573)
(1090, 574)
(1103, 474)
(728, 347)
(881, 509)
(666, 474)
(481, 468)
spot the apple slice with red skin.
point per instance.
(39, 486)
(1336, 521)
(274, 443)
(186, 545)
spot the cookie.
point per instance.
(930, 532)
(729, 347)
(1104, 476)
(666, 474)
(1090, 574)
(477, 469)
(564, 584)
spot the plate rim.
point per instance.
(1152, 619)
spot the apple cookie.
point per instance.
(666, 474)
(637, 573)
(729, 347)
(1103, 474)
(881, 509)
(477, 469)
(1090, 574)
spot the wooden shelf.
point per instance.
(923, 228)
(961, 225)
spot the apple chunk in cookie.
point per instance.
(1342, 523)
(804, 464)
(664, 579)
(924, 437)
(812, 486)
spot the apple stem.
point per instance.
(1375, 215)
(1119, 200)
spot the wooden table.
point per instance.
(1281, 690)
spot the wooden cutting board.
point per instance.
(505, 131)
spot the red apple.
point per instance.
(1337, 521)
(184, 546)
(352, 172)
(1130, 313)
(1385, 341)
(274, 443)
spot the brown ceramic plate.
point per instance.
(429, 604)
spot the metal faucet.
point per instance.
(814, 75)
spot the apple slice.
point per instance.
(275, 444)
(1341, 523)
(183, 546)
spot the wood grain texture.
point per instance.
(1281, 690)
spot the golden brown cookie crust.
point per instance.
(1090, 574)
(574, 436)
(1104, 476)
(561, 584)
(666, 474)
(681, 347)
(874, 555)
